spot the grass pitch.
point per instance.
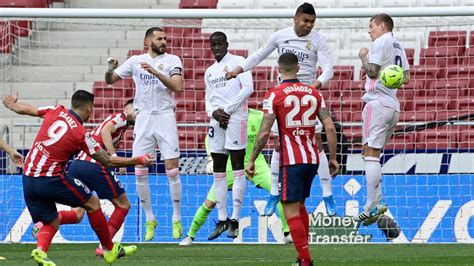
(230, 254)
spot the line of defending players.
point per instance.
(157, 75)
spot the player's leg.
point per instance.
(168, 143)
(296, 183)
(199, 219)
(72, 216)
(142, 144)
(378, 125)
(325, 179)
(275, 168)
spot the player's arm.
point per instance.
(106, 135)
(254, 59)
(175, 80)
(406, 76)
(246, 84)
(110, 76)
(16, 157)
(11, 102)
(325, 118)
(371, 69)
(325, 62)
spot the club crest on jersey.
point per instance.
(226, 69)
(309, 46)
(161, 67)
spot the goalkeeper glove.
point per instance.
(210, 165)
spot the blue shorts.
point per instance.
(295, 181)
(42, 193)
(98, 178)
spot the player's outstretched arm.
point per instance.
(16, 157)
(325, 117)
(114, 161)
(174, 83)
(11, 102)
(106, 134)
(262, 139)
(110, 76)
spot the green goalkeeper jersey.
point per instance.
(253, 127)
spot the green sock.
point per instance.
(199, 218)
(284, 224)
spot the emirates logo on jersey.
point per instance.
(309, 46)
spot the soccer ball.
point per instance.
(392, 76)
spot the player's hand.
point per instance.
(112, 63)
(363, 52)
(317, 84)
(250, 169)
(210, 165)
(145, 160)
(149, 68)
(17, 158)
(333, 168)
(122, 170)
(221, 117)
(230, 75)
(10, 100)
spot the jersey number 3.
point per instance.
(55, 132)
(296, 103)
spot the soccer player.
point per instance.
(44, 183)
(260, 180)
(157, 75)
(101, 179)
(381, 110)
(226, 104)
(16, 157)
(310, 47)
(295, 106)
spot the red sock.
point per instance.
(304, 218)
(116, 220)
(99, 224)
(45, 236)
(300, 238)
(68, 217)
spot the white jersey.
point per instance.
(151, 94)
(385, 51)
(309, 49)
(231, 95)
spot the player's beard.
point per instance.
(158, 49)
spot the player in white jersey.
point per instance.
(226, 104)
(157, 75)
(381, 111)
(310, 47)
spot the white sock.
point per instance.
(175, 191)
(324, 176)
(238, 191)
(143, 190)
(373, 175)
(275, 168)
(220, 191)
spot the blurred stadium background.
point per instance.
(428, 164)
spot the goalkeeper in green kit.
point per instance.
(260, 180)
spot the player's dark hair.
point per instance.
(287, 62)
(81, 98)
(305, 8)
(218, 34)
(383, 18)
(128, 102)
(149, 32)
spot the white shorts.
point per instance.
(378, 124)
(232, 138)
(156, 128)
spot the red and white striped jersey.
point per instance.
(296, 106)
(119, 120)
(61, 136)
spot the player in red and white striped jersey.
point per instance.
(295, 106)
(61, 136)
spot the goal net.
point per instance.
(427, 165)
